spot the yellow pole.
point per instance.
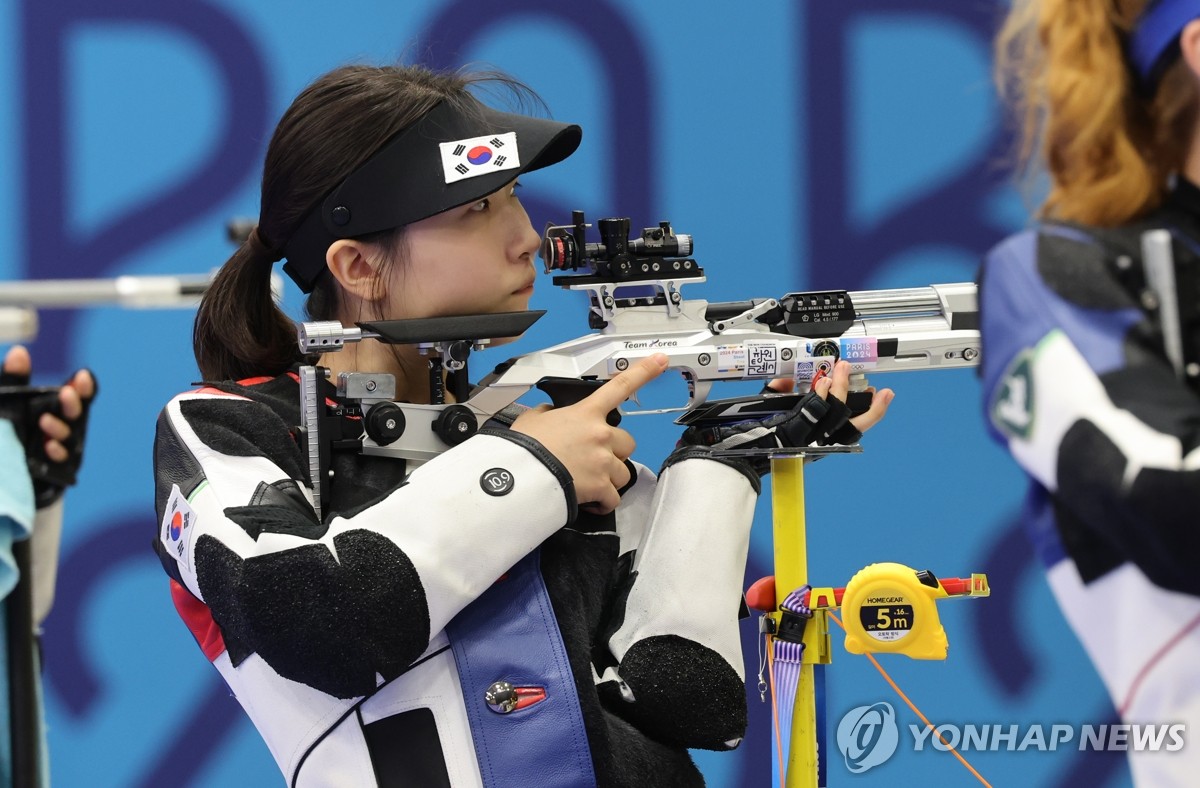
(791, 572)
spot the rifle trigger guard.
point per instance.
(698, 392)
(749, 316)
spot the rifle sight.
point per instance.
(659, 252)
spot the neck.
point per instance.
(403, 361)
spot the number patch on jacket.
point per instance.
(496, 481)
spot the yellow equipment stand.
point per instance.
(791, 572)
(803, 767)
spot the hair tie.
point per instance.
(260, 250)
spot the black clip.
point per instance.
(792, 624)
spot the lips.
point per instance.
(528, 288)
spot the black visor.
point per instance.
(446, 159)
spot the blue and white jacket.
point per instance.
(1078, 387)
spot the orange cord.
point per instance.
(912, 706)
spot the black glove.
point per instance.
(23, 406)
(811, 421)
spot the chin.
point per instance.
(520, 302)
(502, 341)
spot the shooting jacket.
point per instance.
(345, 638)
(1078, 387)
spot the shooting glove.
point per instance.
(50, 479)
(812, 421)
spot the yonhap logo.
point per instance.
(868, 736)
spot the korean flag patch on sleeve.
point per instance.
(464, 159)
(179, 521)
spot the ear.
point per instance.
(1189, 46)
(350, 265)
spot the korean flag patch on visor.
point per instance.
(479, 156)
(458, 152)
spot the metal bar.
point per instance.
(791, 572)
(309, 404)
(126, 291)
(24, 716)
(1160, 276)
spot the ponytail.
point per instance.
(239, 331)
(1108, 150)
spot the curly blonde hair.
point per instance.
(1107, 148)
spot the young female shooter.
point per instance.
(576, 625)
(1078, 380)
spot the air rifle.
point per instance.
(21, 300)
(636, 309)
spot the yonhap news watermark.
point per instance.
(868, 736)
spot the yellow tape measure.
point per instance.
(892, 608)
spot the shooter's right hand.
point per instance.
(593, 452)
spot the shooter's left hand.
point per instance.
(821, 418)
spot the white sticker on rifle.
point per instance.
(178, 523)
(762, 359)
(476, 156)
(731, 358)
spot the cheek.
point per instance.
(481, 291)
(453, 287)
(426, 277)
(450, 273)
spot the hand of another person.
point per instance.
(593, 452)
(62, 434)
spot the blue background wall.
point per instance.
(849, 144)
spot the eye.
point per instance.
(481, 206)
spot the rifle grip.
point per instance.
(568, 391)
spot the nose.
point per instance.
(526, 240)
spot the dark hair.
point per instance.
(330, 129)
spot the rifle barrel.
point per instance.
(126, 291)
(944, 299)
